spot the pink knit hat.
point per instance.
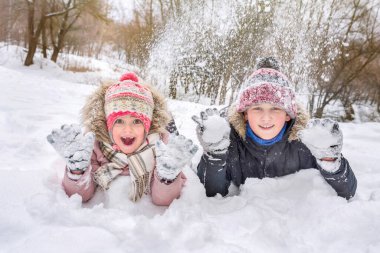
(268, 85)
(128, 98)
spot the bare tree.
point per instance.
(68, 12)
(34, 31)
(34, 34)
(66, 22)
(360, 46)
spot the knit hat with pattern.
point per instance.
(128, 97)
(268, 85)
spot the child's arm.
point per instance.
(77, 149)
(324, 139)
(170, 160)
(85, 185)
(163, 193)
(213, 134)
(342, 180)
(212, 173)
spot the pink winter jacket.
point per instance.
(162, 194)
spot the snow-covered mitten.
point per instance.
(213, 131)
(325, 140)
(74, 146)
(172, 157)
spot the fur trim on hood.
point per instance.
(236, 119)
(94, 118)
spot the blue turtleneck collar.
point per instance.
(263, 142)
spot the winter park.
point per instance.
(189, 126)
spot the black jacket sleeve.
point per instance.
(212, 174)
(343, 180)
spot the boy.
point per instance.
(263, 136)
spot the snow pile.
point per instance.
(296, 213)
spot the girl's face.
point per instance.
(266, 120)
(128, 133)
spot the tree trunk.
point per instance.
(31, 51)
(54, 56)
(223, 90)
(44, 42)
(61, 34)
(33, 36)
(319, 113)
(57, 48)
(350, 113)
(173, 87)
(311, 104)
(32, 44)
(234, 87)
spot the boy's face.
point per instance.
(266, 120)
(128, 133)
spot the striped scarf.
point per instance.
(140, 163)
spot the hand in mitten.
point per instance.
(74, 146)
(213, 131)
(324, 139)
(172, 157)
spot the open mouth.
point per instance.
(128, 140)
(266, 127)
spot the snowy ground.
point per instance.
(296, 213)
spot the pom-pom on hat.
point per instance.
(129, 76)
(128, 97)
(268, 85)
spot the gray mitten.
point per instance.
(325, 140)
(213, 131)
(172, 157)
(74, 146)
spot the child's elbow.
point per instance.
(164, 194)
(159, 201)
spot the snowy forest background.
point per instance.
(201, 50)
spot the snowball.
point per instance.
(320, 137)
(215, 128)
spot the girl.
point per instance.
(125, 129)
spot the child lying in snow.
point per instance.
(125, 124)
(263, 135)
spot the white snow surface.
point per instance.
(295, 213)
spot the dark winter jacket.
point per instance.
(245, 159)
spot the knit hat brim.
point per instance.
(270, 93)
(128, 98)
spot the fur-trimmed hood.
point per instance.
(94, 118)
(236, 119)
